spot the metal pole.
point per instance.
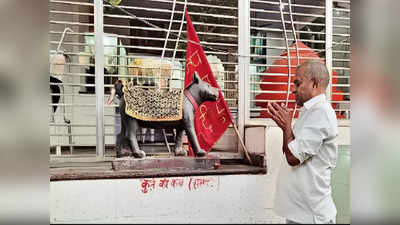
(244, 65)
(328, 43)
(281, 7)
(297, 48)
(99, 74)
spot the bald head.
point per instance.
(315, 70)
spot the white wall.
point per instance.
(226, 199)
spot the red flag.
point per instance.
(211, 118)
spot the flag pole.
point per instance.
(241, 142)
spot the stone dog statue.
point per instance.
(194, 95)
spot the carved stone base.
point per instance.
(129, 163)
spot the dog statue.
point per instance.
(194, 95)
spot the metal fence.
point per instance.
(321, 29)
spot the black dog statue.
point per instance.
(194, 95)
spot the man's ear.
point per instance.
(196, 77)
(315, 82)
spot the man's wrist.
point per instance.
(287, 136)
(287, 132)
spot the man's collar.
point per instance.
(314, 100)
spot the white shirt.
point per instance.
(304, 192)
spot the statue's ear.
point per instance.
(196, 77)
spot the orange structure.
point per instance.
(276, 78)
